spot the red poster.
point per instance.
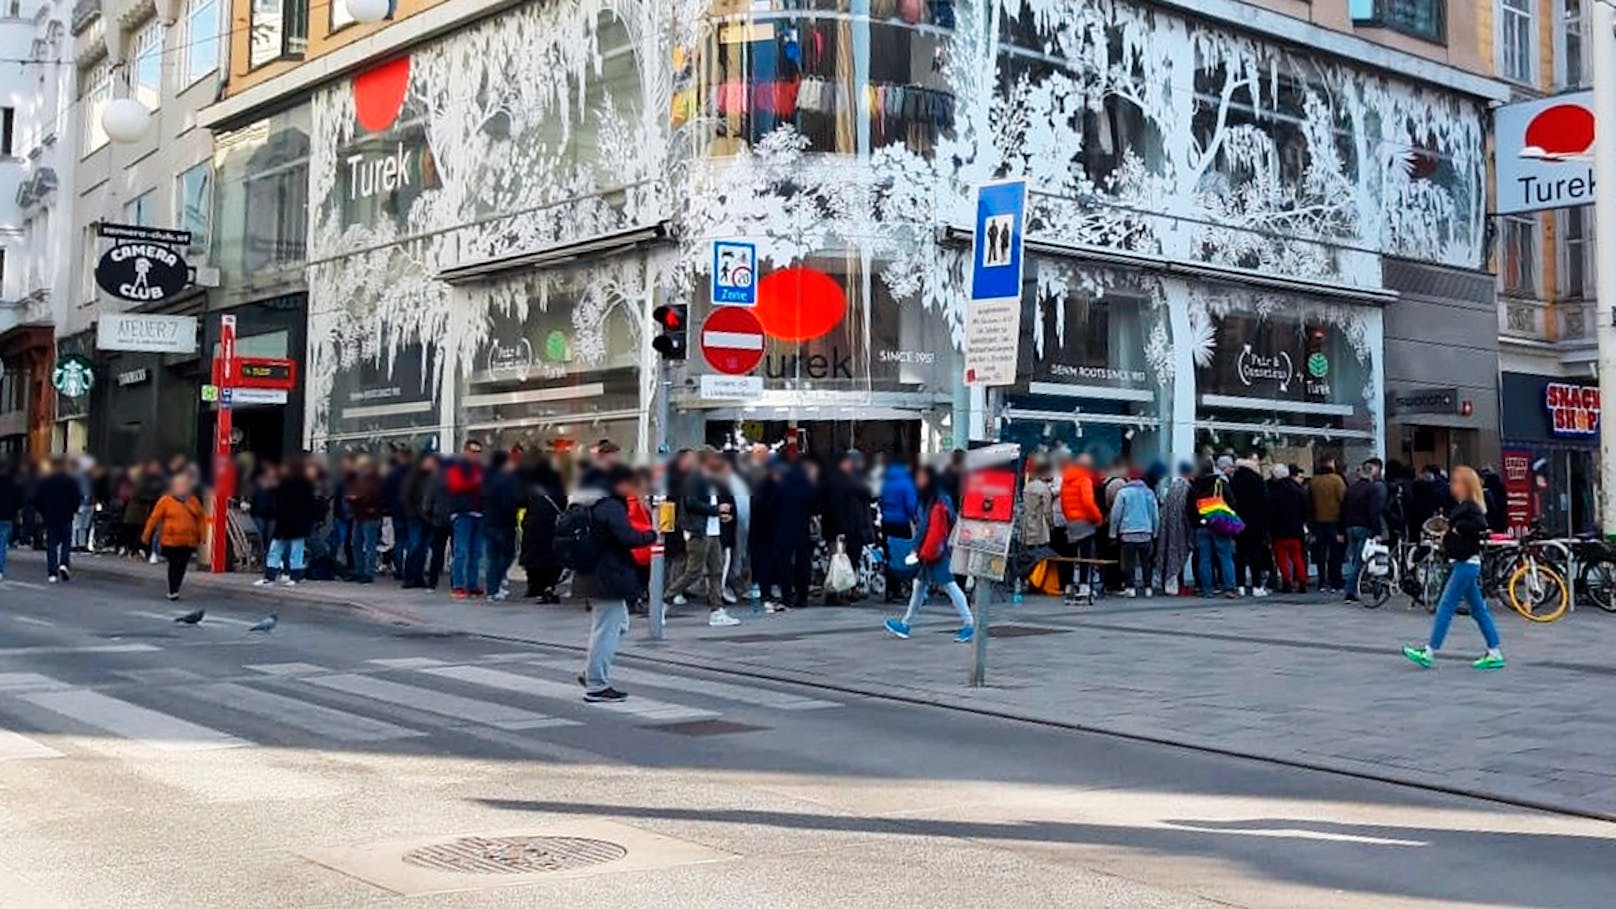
(990, 495)
(1518, 489)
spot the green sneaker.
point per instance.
(1488, 661)
(1419, 655)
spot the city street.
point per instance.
(152, 764)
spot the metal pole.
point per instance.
(224, 466)
(658, 580)
(982, 597)
(1604, 51)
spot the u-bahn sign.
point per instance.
(142, 272)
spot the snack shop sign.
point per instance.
(1573, 409)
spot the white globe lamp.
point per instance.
(125, 120)
(368, 10)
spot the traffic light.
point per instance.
(673, 317)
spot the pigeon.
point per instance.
(192, 617)
(267, 623)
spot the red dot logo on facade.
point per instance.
(379, 94)
(799, 304)
(1559, 132)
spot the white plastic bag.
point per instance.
(840, 577)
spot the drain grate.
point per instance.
(514, 854)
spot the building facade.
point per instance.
(1228, 209)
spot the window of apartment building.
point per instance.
(141, 210)
(1572, 64)
(193, 199)
(92, 251)
(97, 84)
(146, 79)
(8, 129)
(1517, 255)
(201, 45)
(280, 28)
(1515, 41)
(1576, 263)
(1425, 19)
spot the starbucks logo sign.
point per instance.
(73, 376)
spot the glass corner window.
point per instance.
(1424, 19)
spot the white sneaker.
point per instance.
(152, 558)
(728, 597)
(718, 618)
(53, 579)
(1149, 593)
(753, 593)
(772, 607)
(1129, 593)
(262, 582)
(1259, 591)
(288, 582)
(679, 600)
(1083, 591)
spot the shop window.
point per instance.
(280, 28)
(91, 251)
(201, 45)
(1517, 255)
(146, 77)
(193, 200)
(1516, 40)
(141, 210)
(97, 92)
(8, 128)
(1426, 19)
(1576, 234)
(1572, 63)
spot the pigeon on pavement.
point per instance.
(192, 617)
(267, 623)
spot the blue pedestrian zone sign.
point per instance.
(996, 243)
(734, 273)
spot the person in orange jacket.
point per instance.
(1081, 509)
(179, 514)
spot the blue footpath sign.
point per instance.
(996, 243)
(734, 273)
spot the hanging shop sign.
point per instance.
(73, 376)
(142, 272)
(1544, 153)
(146, 333)
(1573, 409)
(140, 234)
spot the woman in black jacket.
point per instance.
(296, 513)
(546, 497)
(1467, 527)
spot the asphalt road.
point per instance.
(145, 764)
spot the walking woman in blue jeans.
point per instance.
(1467, 527)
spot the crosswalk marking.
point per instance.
(28, 681)
(167, 675)
(315, 718)
(287, 669)
(149, 727)
(29, 585)
(762, 697)
(644, 708)
(406, 662)
(15, 746)
(54, 649)
(30, 620)
(497, 715)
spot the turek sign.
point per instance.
(1545, 153)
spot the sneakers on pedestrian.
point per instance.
(896, 628)
(718, 618)
(1149, 593)
(52, 579)
(152, 558)
(1421, 655)
(963, 636)
(263, 582)
(173, 596)
(1129, 593)
(1259, 591)
(728, 597)
(1490, 660)
(1231, 594)
(66, 575)
(288, 582)
(459, 593)
(753, 593)
(772, 607)
(607, 695)
(498, 596)
(679, 599)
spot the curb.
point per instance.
(384, 615)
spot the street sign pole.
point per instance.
(224, 466)
(1604, 46)
(657, 582)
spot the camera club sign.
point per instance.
(142, 266)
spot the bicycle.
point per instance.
(1596, 571)
(1535, 588)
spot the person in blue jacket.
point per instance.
(900, 509)
(935, 505)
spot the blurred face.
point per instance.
(182, 484)
(1457, 489)
(923, 481)
(629, 488)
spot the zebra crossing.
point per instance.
(391, 699)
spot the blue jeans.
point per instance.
(5, 544)
(1206, 544)
(1464, 583)
(266, 533)
(501, 552)
(416, 534)
(468, 544)
(401, 546)
(287, 554)
(58, 546)
(367, 535)
(341, 532)
(608, 624)
(1356, 537)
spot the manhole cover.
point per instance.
(514, 854)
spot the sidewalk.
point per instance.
(1306, 681)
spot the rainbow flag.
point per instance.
(1218, 517)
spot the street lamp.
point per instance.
(125, 120)
(368, 11)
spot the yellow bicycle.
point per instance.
(1536, 590)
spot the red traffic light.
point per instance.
(671, 316)
(671, 343)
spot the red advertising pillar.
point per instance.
(224, 466)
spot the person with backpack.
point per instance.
(1211, 512)
(595, 540)
(936, 524)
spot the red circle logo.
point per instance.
(379, 94)
(799, 303)
(1559, 131)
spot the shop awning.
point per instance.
(598, 246)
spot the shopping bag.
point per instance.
(840, 577)
(899, 563)
(1045, 578)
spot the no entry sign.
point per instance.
(732, 340)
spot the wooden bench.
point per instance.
(1096, 586)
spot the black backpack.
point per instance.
(575, 546)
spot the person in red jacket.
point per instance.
(639, 518)
(463, 481)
